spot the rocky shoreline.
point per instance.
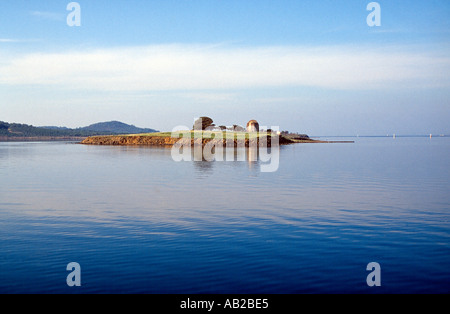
(149, 140)
(118, 140)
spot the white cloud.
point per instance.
(8, 40)
(205, 67)
(12, 40)
(49, 15)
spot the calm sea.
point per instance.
(138, 222)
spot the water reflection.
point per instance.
(4, 153)
(140, 151)
(204, 167)
(249, 157)
(253, 158)
(131, 209)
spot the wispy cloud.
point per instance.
(203, 67)
(49, 15)
(11, 40)
(8, 40)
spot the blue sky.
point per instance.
(314, 67)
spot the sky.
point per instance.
(313, 66)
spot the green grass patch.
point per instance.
(208, 134)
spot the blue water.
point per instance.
(138, 222)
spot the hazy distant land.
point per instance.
(16, 131)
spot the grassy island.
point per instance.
(169, 139)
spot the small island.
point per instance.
(205, 131)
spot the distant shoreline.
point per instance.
(382, 136)
(40, 138)
(313, 139)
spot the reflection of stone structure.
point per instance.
(252, 126)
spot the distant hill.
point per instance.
(104, 128)
(54, 127)
(116, 127)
